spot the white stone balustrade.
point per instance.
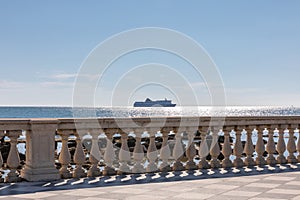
(138, 154)
(260, 148)
(226, 150)
(13, 159)
(109, 155)
(152, 153)
(124, 155)
(79, 157)
(65, 156)
(94, 147)
(178, 153)
(94, 154)
(271, 149)
(190, 151)
(165, 152)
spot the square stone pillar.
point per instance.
(40, 147)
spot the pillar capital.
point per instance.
(42, 124)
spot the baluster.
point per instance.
(1, 159)
(124, 155)
(152, 153)
(271, 149)
(291, 147)
(13, 159)
(95, 154)
(249, 149)
(165, 152)
(138, 154)
(260, 148)
(238, 150)
(178, 153)
(65, 156)
(226, 150)
(298, 145)
(109, 156)
(191, 152)
(79, 156)
(215, 151)
(281, 147)
(203, 152)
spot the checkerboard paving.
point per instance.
(276, 186)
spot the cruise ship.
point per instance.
(158, 103)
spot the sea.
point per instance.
(123, 112)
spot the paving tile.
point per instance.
(209, 191)
(263, 185)
(110, 195)
(64, 197)
(241, 193)
(181, 188)
(139, 197)
(279, 178)
(153, 185)
(129, 190)
(289, 187)
(296, 198)
(243, 179)
(284, 191)
(35, 195)
(262, 198)
(227, 197)
(84, 193)
(162, 193)
(252, 189)
(193, 195)
(95, 198)
(293, 183)
(209, 181)
(221, 187)
(275, 196)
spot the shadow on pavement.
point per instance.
(148, 178)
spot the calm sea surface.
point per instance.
(69, 112)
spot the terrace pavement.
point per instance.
(256, 184)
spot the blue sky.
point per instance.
(255, 44)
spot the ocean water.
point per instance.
(69, 112)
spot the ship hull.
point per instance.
(149, 103)
(143, 104)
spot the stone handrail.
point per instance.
(100, 146)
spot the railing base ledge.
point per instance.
(44, 174)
